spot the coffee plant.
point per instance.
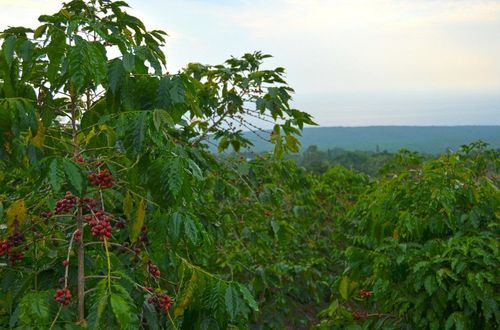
(422, 247)
(102, 156)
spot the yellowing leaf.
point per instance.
(16, 215)
(185, 299)
(39, 138)
(138, 221)
(128, 205)
(89, 136)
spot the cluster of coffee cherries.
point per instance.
(154, 270)
(63, 296)
(360, 315)
(99, 224)
(363, 293)
(103, 179)
(8, 246)
(161, 301)
(66, 204)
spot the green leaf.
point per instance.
(100, 303)
(77, 64)
(195, 169)
(430, 284)
(136, 132)
(8, 49)
(191, 229)
(248, 297)
(74, 174)
(34, 308)
(116, 74)
(232, 302)
(176, 221)
(177, 92)
(56, 175)
(40, 31)
(344, 288)
(121, 309)
(129, 62)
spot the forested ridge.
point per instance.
(116, 214)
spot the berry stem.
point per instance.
(66, 271)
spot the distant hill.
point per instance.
(425, 139)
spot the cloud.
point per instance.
(329, 46)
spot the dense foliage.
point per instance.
(423, 247)
(98, 144)
(115, 215)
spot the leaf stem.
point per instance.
(109, 263)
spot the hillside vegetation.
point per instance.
(424, 139)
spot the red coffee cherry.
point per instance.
(66, 204)
(363, 293)
(99, 224)
(154, 270)
(161, 301)
(103, 179)
(78, 235)
(66, 263)
(16, 239)
(4, 247)
(89, 204)
(15, 256)
(63, 296)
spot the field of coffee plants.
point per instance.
(115, 214)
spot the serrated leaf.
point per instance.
(16, 215)
(136, 227)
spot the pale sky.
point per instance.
(351, 62)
